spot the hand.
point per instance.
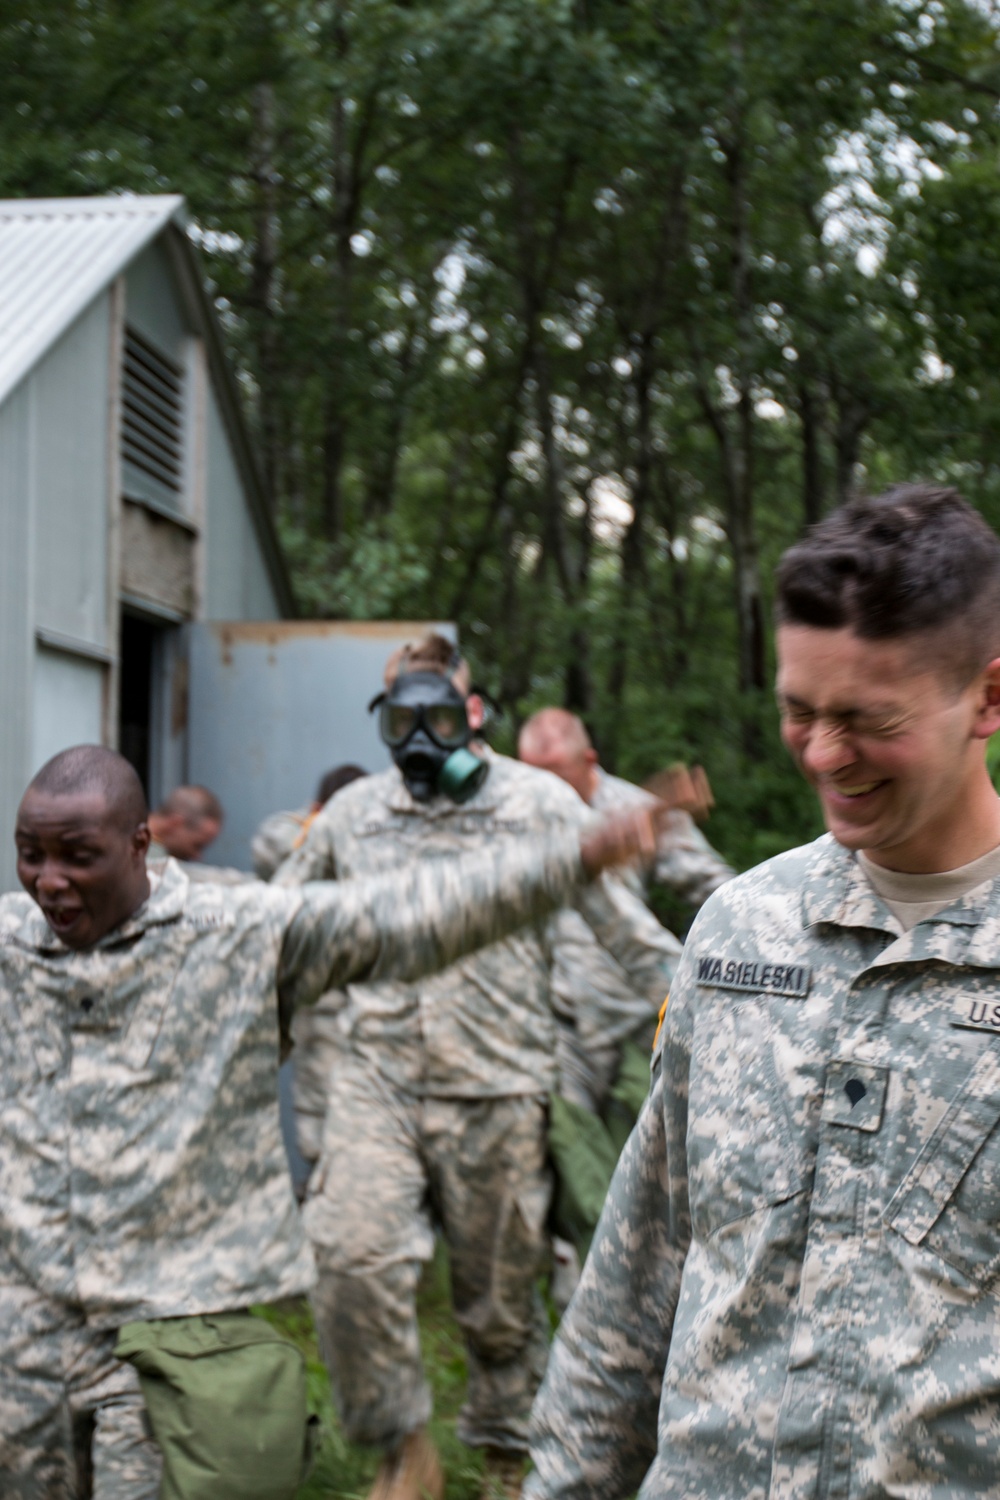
(688, 791)
(623, 839)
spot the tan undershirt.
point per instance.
(915, 898)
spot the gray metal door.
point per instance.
(273, 705)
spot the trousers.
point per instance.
(393, 1167)
(72, 1419)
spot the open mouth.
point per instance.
(61, 918)
(856, 793)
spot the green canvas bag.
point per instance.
(226, 1398)
(584, 1157)
(585, 1148)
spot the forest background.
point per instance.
(561, 318)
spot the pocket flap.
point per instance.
(923, 1195)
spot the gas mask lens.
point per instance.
(446, 723)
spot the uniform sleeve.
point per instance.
(273, 842)
(686, 862)
(421, 919)
(594, 1422)
(646, 951)
(313, 859)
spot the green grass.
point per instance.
(345, 1472)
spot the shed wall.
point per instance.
(70, 389)
(237, 585)
(53, 560)
(16, 636)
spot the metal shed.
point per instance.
(129, 500)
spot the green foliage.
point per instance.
(562, 319)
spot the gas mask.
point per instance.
(422, 719)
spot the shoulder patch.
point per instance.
(660, 1020)
(754, 976)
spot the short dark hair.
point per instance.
(336, 780)
(915, 560)
(95, 768)
(192, 803)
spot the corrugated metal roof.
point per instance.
(56, 256)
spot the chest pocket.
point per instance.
(740, 1156)
(949, 1201)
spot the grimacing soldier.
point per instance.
(145, 1202)
(793, 1290)
(439, 1106)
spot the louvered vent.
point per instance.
(152, 414)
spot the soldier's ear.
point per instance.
(140, 840)
(988, 707)
(475, 710)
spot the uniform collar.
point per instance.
(482, 801)
(168, 892)
(836, 890)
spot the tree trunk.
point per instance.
(261, 293)
(810, 416)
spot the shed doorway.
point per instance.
(137, 667)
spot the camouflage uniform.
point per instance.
(441, 1104)
(142, 1173)
(793, 1291)
(275, 839)
(196, 869)
(685, 860)
(317, 1031)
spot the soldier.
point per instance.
(556, 740)
(282, 832)
(793, 1288)
(185, 823)
(141, 1171)
(440, 1106)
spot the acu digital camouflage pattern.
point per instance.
(142, 1173)
(478, 1169)
(424, 1107)
(72, 1418)
(685, 860)
(275, 839)
(793, 1291)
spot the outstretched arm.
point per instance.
(424, 917)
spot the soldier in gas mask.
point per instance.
(437, 1112)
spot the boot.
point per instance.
(410, 1472)
(502, 1475)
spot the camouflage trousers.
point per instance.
(393, 1167)
(72, 1420)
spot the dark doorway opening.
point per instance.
(135, 701)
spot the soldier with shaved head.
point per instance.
(144, 1199)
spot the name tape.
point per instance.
(753, 976)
